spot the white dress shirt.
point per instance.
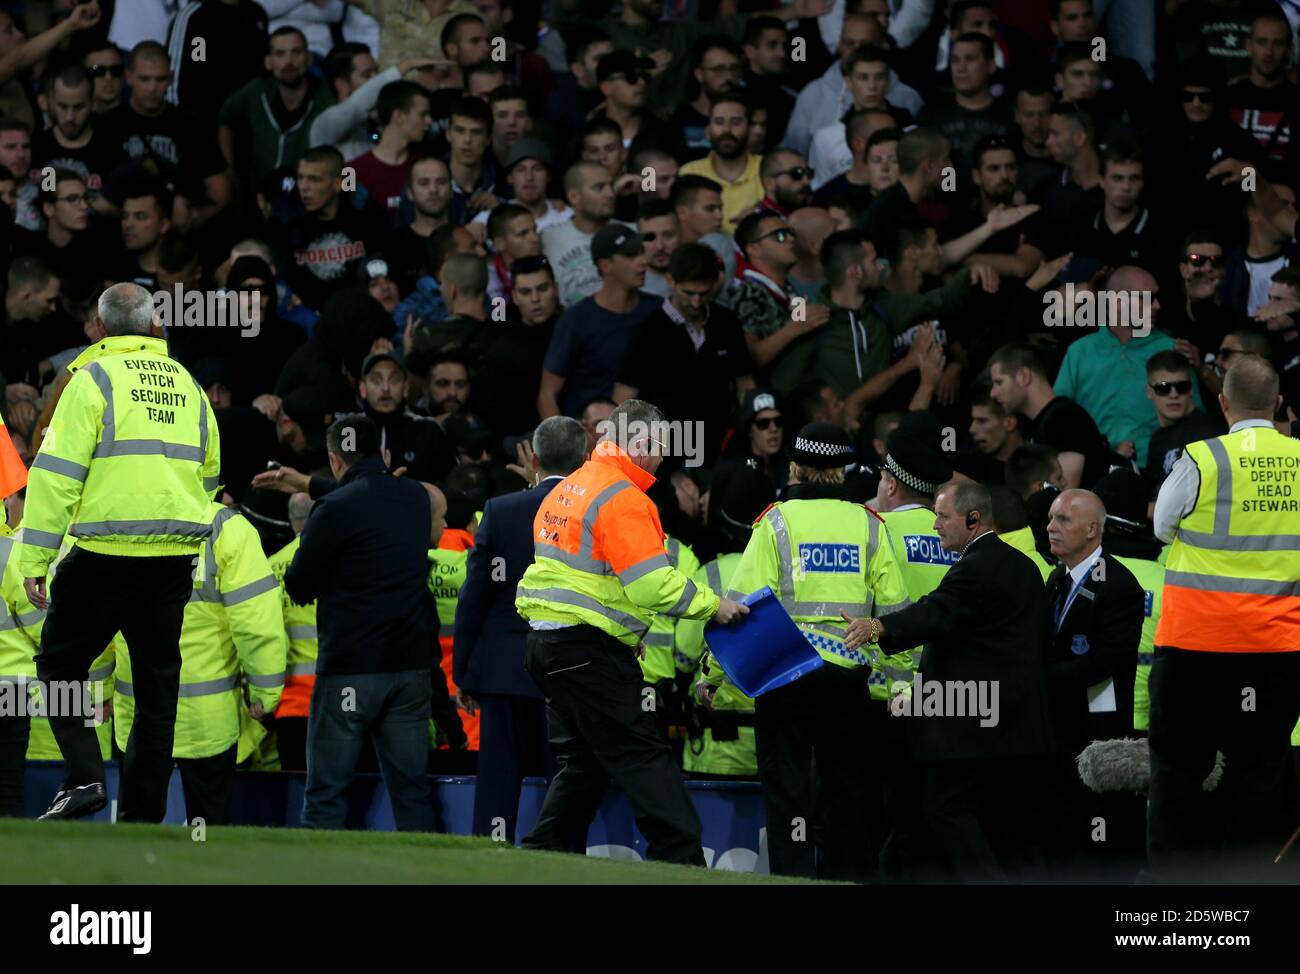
(1178, 493)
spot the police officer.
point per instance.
(128, 468)
(1226, 674)
(233, 634)
(821, 555)
(909, 477)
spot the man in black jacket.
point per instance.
(1094, 626)
(488, 664)
(363, 557)
(982, 632)
(417, 443)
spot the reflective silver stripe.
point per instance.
(734, 595)
(1222, 583)
(713, 572)
(689, 591)
(203, 420)
(31, 618)
(103, 673)
(250, 591)
(1242, 542)
(67, 468)
(301, 669)
(658, 639)
(584, 563)
(202, 689)
(301, 632)
(916, 656)
(784, 556)
(643, 568)
(565, 597)
(211, 483)
(1146, 659)
(1223, 487)
(588, 542)
(147, 448)
(42, 539)
(265, 681)
(446, 630)
(826, 610)
(895, 675)
(873, 538)
(109, 419)
(108, 529)
(207, 592)
(884, 610)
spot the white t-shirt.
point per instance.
(552, 217)
(1261, 276)
(569, 251)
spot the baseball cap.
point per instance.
(615, 238)
(372, 268)
(528, 149)
(621, 62)
(374, 358)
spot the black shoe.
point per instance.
(76, 802)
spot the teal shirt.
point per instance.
(1109, 379)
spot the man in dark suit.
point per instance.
(488, 663)
(1096, 608)
(979, 721)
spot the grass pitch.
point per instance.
(96, 853)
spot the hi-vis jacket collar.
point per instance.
(119, 345)
(609, 452)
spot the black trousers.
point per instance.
(811, 738)
(1200, 703)
(94, 597)
(512, 746)
(291, 742)
(14, 733)
(985, 817)
(208, 784)
(601, 733)
(394, 709)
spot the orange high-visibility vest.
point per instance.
(454, 540)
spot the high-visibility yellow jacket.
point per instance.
(1151, 576)
(660, 662)
(820, 556)
(923, 562)
(599, 555)
(449, 565)
(1231, 576)
(130, 461)
(1023, 541)
(300, 627)
(233, 625)
(21, 624)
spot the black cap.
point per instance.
(747, 493)
(309, 407)
(372, 268)
(523, 149)
(248, 267)
(1125, 495)
(822, 446)
(621, 62)
(615, 238)
(915, 464)
(374, 358)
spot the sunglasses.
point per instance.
(1182, 387)
(1201, 260)
(1204, 97)
(782, 235)
(650, 237)
(768, 422)
(99, 70)
(798, 173)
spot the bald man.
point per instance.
(811, 225)
(1096, 608)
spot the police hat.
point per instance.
(822, 446)
(915, 464)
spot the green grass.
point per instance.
(96, 853)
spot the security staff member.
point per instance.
(128, 468)
(722, 740)
(233, 628)
(599, 575)
(821, 555)
(447, 571)
(909, 477)
(290, 721)
(659, 665)
(1226, 674)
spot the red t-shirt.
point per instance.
(382, 181)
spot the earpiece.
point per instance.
(972, 519)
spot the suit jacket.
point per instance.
(490, 635)
(1096, 641)
(983, 623)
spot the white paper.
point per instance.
(1101, 698)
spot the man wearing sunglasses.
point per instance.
(787, 182)
(1169, 387)
(104, 65)
(657, 224)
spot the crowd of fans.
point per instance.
(1048, 225)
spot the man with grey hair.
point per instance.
(599, 575)
(127, 470)
(488, 661)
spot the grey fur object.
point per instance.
(1124, 764)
